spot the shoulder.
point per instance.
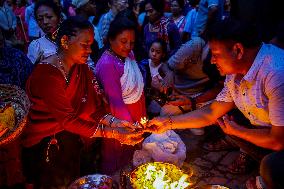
(107, 61)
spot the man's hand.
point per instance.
(179, 100)
(159, 125)
(228, 125)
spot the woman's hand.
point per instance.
(125, 136)
(117, 123)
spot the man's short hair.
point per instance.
(231, 30)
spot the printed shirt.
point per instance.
(259, 94)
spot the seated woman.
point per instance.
(48, 18)
(160, 27)
(122, 81)
(66, 105)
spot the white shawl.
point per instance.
(132, 84)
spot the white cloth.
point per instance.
(132, 84)
(259, 95)
(40, 49)
(154, 70)
(166, 147)
(79, 3)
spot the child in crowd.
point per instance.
(153, 76)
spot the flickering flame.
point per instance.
(159, 176)
(143, 121)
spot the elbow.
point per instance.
(278, 146)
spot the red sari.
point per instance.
(75, 106)
(64, 110)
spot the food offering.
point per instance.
(158, 175)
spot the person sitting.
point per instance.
(196, 81)
(152, 76)
(67, 105)
(48, 16)
(122, 82)
(254, 84)
(160, 27)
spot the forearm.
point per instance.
(195, 119)
(260, 137)
(202, 117)
(208, 95)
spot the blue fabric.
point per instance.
(15, 67)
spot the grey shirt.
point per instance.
(187, 64)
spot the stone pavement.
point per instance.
(211, 167)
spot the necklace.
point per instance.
(65, 74)
(118, 57)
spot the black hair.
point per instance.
(70, 26)
(128, 13)
(163, 45)
(231, 30)
(158, 5)
(118, 25)
(180, 3)
(193, 3)
(49, 3)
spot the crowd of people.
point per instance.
(72, 72)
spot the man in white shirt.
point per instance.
(254, 84)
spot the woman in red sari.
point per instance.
(66, 105)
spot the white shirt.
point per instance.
(41, 47)
(259, 95)
(154, 70)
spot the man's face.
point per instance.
(223, 57)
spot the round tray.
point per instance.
(96, 181)
(11, 95)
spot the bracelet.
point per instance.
(94, 134)
(111, 121)
(104, 117)
(170, 121)
(112, 135)
(103, 132)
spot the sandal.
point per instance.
(219, 145)
(243, 164)
(255, 183)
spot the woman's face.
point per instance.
(47, 19)
(123, 43)
(79, 46)
(156, 53)
(152, 14)
(175, 8)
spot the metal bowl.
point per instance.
(96, 181)
(214, 186)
